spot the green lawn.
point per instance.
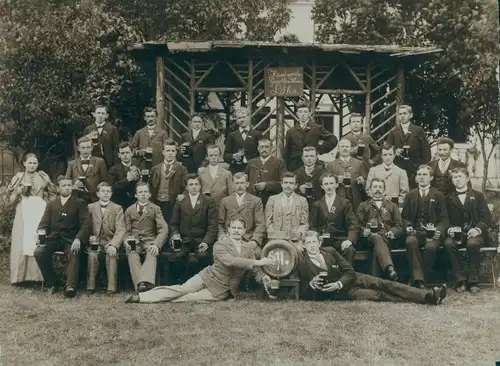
(41, 329)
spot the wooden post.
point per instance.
(341, 116)
(192, 91)
(160, 90)
(400, 97)
(368, 109)
(280, 126)
(313, 87)
(250, 88)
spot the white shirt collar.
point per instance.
(100, 125)
(329, 201)
(462, 191)
(195, 133)
(444, 163)
(309, 170)
(64, 199)
(345, 158)
(193, 199)
(265, 160)
(142, 204)
(151, 127)
(168, 162)
(388, 167)
(239, 198)
(104, 203)
(285, 199)
(246, 128)
(126, 165)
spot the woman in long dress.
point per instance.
(30, 188)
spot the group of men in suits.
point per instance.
(163, 192)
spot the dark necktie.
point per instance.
(85, 162)
(140, 211)
(104, 206)
(244, 134)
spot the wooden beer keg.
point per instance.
(286, 253)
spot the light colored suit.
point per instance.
(276, 212)
(219, 187)
(215, 282)
(109, 227)
(150, 229)
(396, 181)
(142, 140)
(250, 210)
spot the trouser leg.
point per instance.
(381, 251)
(453, 256)
(43, 257)
(92, 269)
(429, 257)
(414, 259)
(377, 289)
(474, 255)
(148, 270)
(72, 267)
(134, 263)
(200, 296)
(112, 271)
(169, 293)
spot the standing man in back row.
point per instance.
(241, 145)
(410, 142)
(306, 133)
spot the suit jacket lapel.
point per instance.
(79, 167)
(98, 217)
(92, 166)
(324, 206)
(243, 204)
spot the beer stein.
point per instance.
(27, 189)
(430, 230)
(148, 153)
(133, 243)
(145, 175)
(309, 191)
(42, 237)
(458, 236)
(187, 150)
(177, 245)
(241, 151)
(361, 150)
(373, 226)
(406, 152)
(324, 276)
(94, 243)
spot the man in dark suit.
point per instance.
(192, 152)
(245, 205)
(87, 171)
(426, 219)
(241, 145)
(265, 172)
(104, 137)
(147, 143)
(123, 177)
(145, 223)
(412, 147)
(306, 133)
(233, 257)
(325, 275)
(366, 148)
(443, 166)
(334, 216)
(381, 223)
(194, 224)
(308, 176)
(354, 172)
(168, 180)
(66, 224)
(470, 219)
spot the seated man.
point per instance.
(65, 222)
(426, 219)
(108, 229)
(194, 224)
(241, 203)
(216, 181)
(87, 171)
(381, 223)
(287, 212)
(145, 223)
(351, 172)
(325, 275)
(308, 176)
(395, 178)
(470, 219)
(232, 258)
(265, 172)
(334, 216)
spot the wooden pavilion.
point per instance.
(269, 78)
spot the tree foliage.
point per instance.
(205, 20)
(447, 90)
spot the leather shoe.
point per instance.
(69, 292)
(141, 287)
(460, 287)
(133, 299)
(438, 294)
(474, 289)
(392, 274)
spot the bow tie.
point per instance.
(461, 193)
(100, 126)
(245, 130)
(86, 162)
(387, 169)
(104, 206)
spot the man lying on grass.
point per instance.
(232, 257)
(329, 276)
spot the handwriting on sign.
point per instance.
(279, 257)
(284, 81)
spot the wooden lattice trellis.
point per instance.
(364, 79)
